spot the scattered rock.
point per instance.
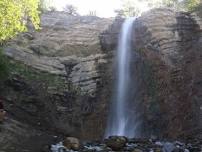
(158, 150)
(123, 144)
(137, 150)
(168, 147)
(72, 143)
(46, 148)
(139, 141)
(116, 142)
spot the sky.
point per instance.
(103, 8)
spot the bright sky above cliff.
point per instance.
(103, 8)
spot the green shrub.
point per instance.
(198, 10)
(14, 17)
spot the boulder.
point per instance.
(158, 150)
(72, 143)
(2, 115)
(116, 142)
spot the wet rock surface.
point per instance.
(168, 44)
(115, 142)
(71, 143)
(122, 144)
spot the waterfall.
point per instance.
(123, 116)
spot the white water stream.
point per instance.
(122, 115)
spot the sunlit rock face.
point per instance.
(62, 40)
(169, 70)
(60, 76)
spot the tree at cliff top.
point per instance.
(135, 8)
(14, 16)
(190, 5)
(198, 9)
(70, 10)
(129, 8)
(186, 5)
(46, 5)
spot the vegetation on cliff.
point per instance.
(49, 81)
(133, 8)
(14, 18)
(15, 15)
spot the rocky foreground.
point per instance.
(123, 144)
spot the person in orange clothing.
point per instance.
(2, 111)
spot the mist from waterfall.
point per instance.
(123, 116)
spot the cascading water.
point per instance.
(123, 116)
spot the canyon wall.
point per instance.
(57, 82)
(61, 77)
(169, 68)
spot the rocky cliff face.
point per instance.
(66, 45)
(171, 46)
(62, 76)
(57, 78)
(169, 68)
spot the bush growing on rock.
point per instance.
(133, 8)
